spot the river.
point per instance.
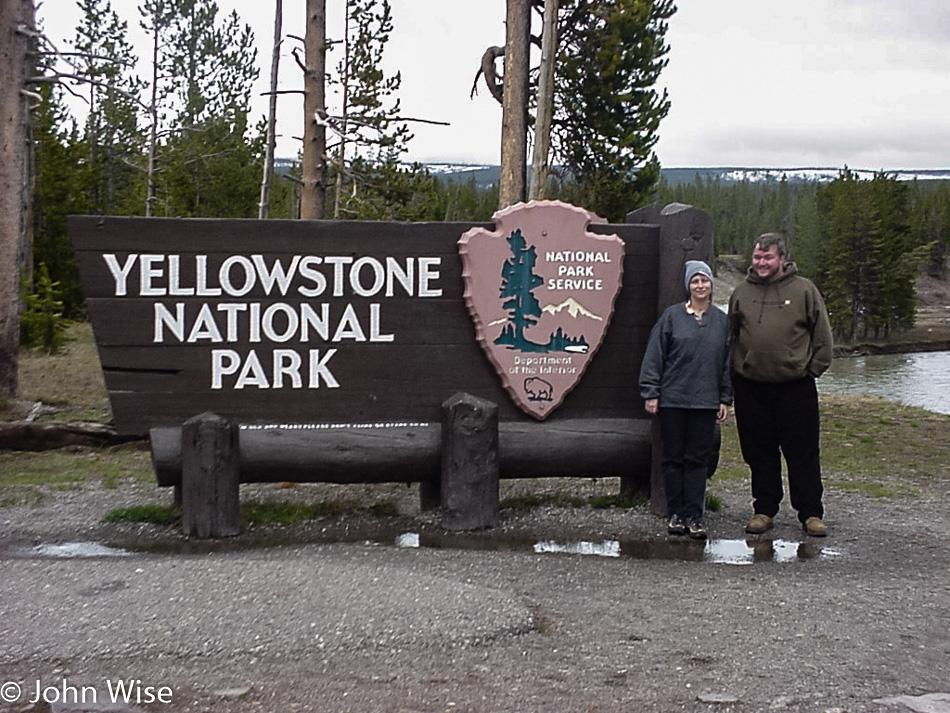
(918, 379)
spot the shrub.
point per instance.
(42, 324)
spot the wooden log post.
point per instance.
(470, 463)
(210, 477)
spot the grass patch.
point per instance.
(254, 513)
(265, 514)
(873, 489)
(384, 508)
(73, 467)
(536, 500)
(873, 445)
(152, 514)
(869, 446)
(713, 503)
(19, 495)
(601, 502)
(71, 381)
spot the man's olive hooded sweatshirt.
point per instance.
(780, 330)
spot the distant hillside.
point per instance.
(486, 175)
(730, 174)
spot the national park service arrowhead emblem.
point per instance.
(541, 291)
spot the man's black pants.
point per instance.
(776, 420)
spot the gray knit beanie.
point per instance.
(696, 267)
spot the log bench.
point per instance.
(458, 462)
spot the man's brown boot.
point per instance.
(815, 527)
(759, 524)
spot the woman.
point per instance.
(685, 379)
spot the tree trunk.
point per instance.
(344, 125)
(514, 129)
(264, 206)
(153, 128)
(16, 178)
(542, 123)
(314, 191)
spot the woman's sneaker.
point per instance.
(696, 529)
(677, 526)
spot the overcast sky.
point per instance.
(753, 83)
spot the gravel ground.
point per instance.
(334, 616)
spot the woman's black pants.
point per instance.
(688, 435)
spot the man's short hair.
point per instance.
(767, 240)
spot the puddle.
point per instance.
(739, 552)
(736, 552)
(70, 550)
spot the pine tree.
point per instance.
(204, 70)
(61, 187)
(895, 259)
(869, 256)
(807, 251)
(368, 130)
(846, 235)
(112, 136)
(607, 109)
(42, 324)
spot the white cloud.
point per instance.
(752, 82)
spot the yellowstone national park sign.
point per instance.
(541, 291)
(348, 322)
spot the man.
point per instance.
(782, 342)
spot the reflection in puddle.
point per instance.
(607, 548)
(749, 551)
(408, 539)
(73, 550)
(715, 551)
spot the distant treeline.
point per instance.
(863, 242)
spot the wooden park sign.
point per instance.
(347, 323)
(335, 346)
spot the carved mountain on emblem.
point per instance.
(573, 307)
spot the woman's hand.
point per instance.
(651, 405)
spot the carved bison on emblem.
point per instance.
(538, 389)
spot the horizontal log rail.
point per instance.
(411, 453)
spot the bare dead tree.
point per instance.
(271, 141)
(514, 128)
(542, 124)
(17, 22)
(340, 160)
(313, 163)
(152, 165)
(493, 79)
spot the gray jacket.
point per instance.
(686, 364)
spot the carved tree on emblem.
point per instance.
(517, 284)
